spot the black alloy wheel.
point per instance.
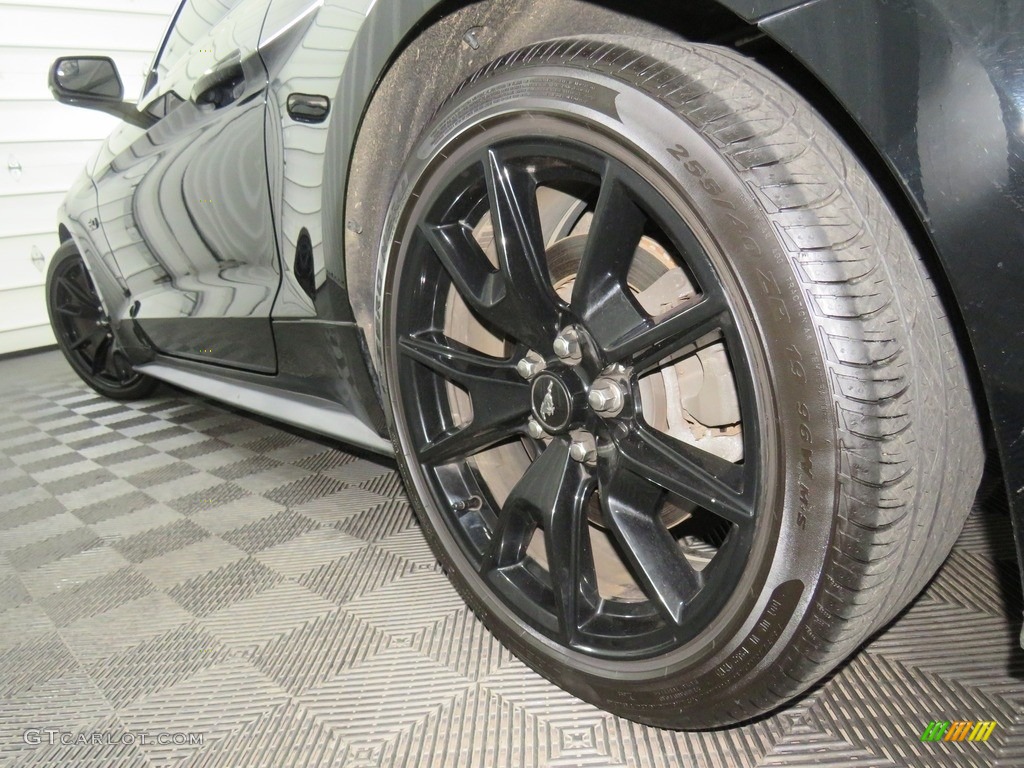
(657, 355)
(568, 394)
(83, 331)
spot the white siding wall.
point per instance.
(43, 144)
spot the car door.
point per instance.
(185, 204)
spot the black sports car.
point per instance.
(688, 323)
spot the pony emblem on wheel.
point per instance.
(547, 408)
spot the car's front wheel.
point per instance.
(83, 331)
(673, 397)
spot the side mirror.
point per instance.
(92, 82)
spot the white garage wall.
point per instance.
(43, 144)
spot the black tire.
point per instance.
(82, 329)
(858, 429)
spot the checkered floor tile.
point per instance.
(183, 584)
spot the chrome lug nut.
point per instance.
(530, 365)
(535, 430)
(583, 448)
(567, 346)
(606, 397)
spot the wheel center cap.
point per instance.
(552, 403)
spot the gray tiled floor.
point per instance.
(174, 567)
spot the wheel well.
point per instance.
(63, 233)
(460, 36)
(454, 40)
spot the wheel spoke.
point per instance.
(702, 478)
(467, 266)
(519, 240)
(101, 357)
(567, 542)
(463, 442)
(74, 309)
(552, 494)
(486, 290)
(651, 342)
(601, 297)
(81, 295)
(86, 339)
(630, 505)
(517, 298)
(500, 397)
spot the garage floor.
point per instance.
(173, 571)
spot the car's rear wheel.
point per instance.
(83, 331)
(658, 357)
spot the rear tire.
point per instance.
(83, 332)
(860, 447)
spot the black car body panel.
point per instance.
(937, 95)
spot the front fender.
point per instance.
(79, 215)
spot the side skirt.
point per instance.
(305, 411)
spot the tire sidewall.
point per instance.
(795, 529)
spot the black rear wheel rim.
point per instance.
(636, 470)
(83, 328)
